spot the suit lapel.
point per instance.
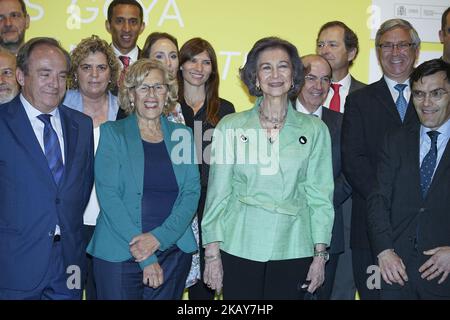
(413, 151)
(22, 129)
(443, 165)
(381, 91)
(135, 149)
(70, 132)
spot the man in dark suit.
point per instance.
(370, 113)
(337, 43)
(46, 176)
(309, 101)
(409, 209)
(125, 23)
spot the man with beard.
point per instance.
(14, 20)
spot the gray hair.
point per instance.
(388, 25)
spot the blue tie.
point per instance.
(52, 148)
(401, 103)
(429, 163)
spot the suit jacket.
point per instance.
(342, 189)
(31, 204)
(355, 85)
(370, 114)
(119, 178)
(397, 210)
(263, 208)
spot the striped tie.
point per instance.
(52, 148)
(401, 103)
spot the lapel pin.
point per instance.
(244, 138)
(302, 140)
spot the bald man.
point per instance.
(9, 87)
(310, 101)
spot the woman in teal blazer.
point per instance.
(148, 188)
(269, 204)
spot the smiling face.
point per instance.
(397, 64)
(317, 83)
(125, 27)
(93, 75)
(165, 51)
(433, 114)
(331, 46)
(149, 103)
(44, 85)
(197, 70)
(274, 72)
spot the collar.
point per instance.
(391, 83)
(345, 82)
(300, 108)
(133, 54)
(444, 130)
(32, 112)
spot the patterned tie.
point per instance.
(401, 103)
(429, 163)
(52, 148)
(126, 63)
(335, 103)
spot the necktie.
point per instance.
(429, 163)
(52, 148)
(126, 62)
(401, 103)
(335, 103)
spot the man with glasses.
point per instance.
(444, 35)
(14, 20)
(310, 101)
(408, 211)
(370, 114)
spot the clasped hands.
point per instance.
(142, 247)
(394, 271)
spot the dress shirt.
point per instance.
(300, 108)
(425, 142)
(133, 54)
(343, 92)
(394, 93)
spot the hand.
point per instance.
(316, 274)
(143, 246)
(392, 268)
(153, 275)
(213, 274)
(437, 264)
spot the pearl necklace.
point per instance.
(275, 122)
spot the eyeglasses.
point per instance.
(158, 89)
(389, 47)
(313, 78)
(435, 95)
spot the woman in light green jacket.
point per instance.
(269, 212)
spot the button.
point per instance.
(51, 234)
(422, 210)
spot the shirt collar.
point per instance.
(345, 82)
(300, 108)
(444, 130)
(391, 83)
(32, 112)
(133, 54)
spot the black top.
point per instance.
(190, 119)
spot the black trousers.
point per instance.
(246, 279)
(89, 285)
(362, 259)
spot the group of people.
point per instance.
(184, 193)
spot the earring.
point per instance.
(132, 104)
(292, 86)
(258, 88)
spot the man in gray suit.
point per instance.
(310, 101)
(337, 43)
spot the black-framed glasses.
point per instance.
(435, 95)
(158, 88)
(313, 78)
(389, 47)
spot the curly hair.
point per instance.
(249, 72)
(87, 46)
(134, 77)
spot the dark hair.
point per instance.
(249, 71)
(115, 3)
(23, 7)
(188, 51)
(26, 49)
(428, 68)
(152, 38)
(350, 38)
(444, 19)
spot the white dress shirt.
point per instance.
(394, 93)
(133, 54)
(300, 108)
(343, 92)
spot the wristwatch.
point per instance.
(324, 254)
